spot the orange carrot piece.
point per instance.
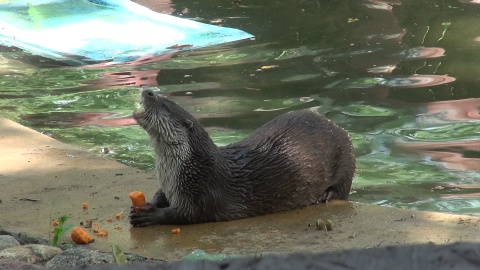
(138, 199)
(80, 236)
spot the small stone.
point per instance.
(320, 224)
(31, 253)
(7, 241)
(329, 224)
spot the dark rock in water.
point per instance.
(8, 264)
(7, 241)
(31, 253)
(137, 258)
(422, 256)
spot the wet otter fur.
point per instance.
(297, 159)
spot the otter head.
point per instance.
(166, 122)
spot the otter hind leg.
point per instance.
(336, 192)
(329, 195)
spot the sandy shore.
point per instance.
(42, 179)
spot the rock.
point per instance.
(83, 257)
(463, 256)
(17, 264)
(7, 241)
(32, 253)
(137, 258)
(79, 257)
(23, 238)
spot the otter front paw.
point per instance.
(146, 215)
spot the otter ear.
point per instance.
(188, 123)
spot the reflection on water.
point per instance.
(402, 82)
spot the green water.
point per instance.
(401, 77)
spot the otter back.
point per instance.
(297, 159)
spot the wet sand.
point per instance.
(42, 179)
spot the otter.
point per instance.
(297, 159)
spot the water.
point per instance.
(400, 76)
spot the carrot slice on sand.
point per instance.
(80, 236)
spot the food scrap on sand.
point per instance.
(98, 231)
(80, 236)
(85, 205)
(119, 215)
(176, 231)
(88, 223)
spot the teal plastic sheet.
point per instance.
(83, 32)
